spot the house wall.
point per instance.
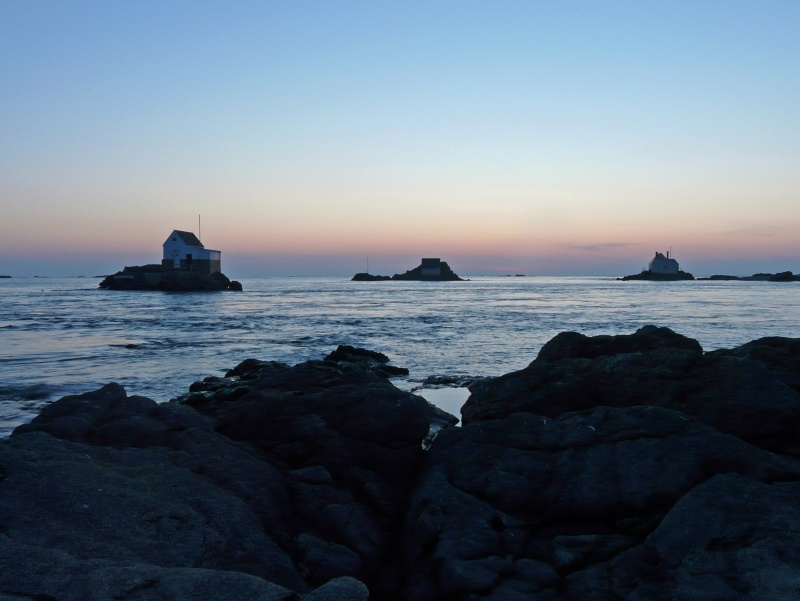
(660, 264)
(174, 243)
(199, 265)
(204, 260)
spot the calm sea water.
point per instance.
(66, 336)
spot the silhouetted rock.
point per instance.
(445, 274)
(743, 398)
(155, 277)
(784, 276)
(651, 276)
(430, 270)
(780, 355)
(722, 277)
(368, 277)
(572, 345)
(652, 488)
(365, 359)
(528, 507)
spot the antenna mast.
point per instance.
(199, 237)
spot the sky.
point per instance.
(319, 137)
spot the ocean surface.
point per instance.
(66, 336)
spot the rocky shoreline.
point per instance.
(612, 467)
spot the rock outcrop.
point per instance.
(155, 277)
(446, 274)
(612, 467)
(651, 276)
(273, 482)
(368, 277)
(441, 273)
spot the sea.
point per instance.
(65, 336)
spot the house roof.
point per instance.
(188, 238)
(662, 256)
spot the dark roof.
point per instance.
(188, 238)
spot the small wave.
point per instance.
(33, 392)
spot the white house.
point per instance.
(663, 264)
(183, 251)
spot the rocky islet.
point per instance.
(612, 467)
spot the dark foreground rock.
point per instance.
(630, 467)
(267, 484)
(155, 277)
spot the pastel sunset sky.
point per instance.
(537, 137)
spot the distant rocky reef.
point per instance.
(783, 276)
(634, 466)
(155, 277)
(5, 276)
(652, 276)
(647, 275)
(430, 270)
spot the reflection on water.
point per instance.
(448, 399)
(69, 336)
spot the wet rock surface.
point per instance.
(613, 467)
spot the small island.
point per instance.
(661, 268)
(5, 277)
(187, 266)
(429, 270)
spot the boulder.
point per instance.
(727, 391)
(573, 345)
(365, 359)
(778, 354)
(731, 537)
(350, 445)
(275, 479)
(533, 507)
